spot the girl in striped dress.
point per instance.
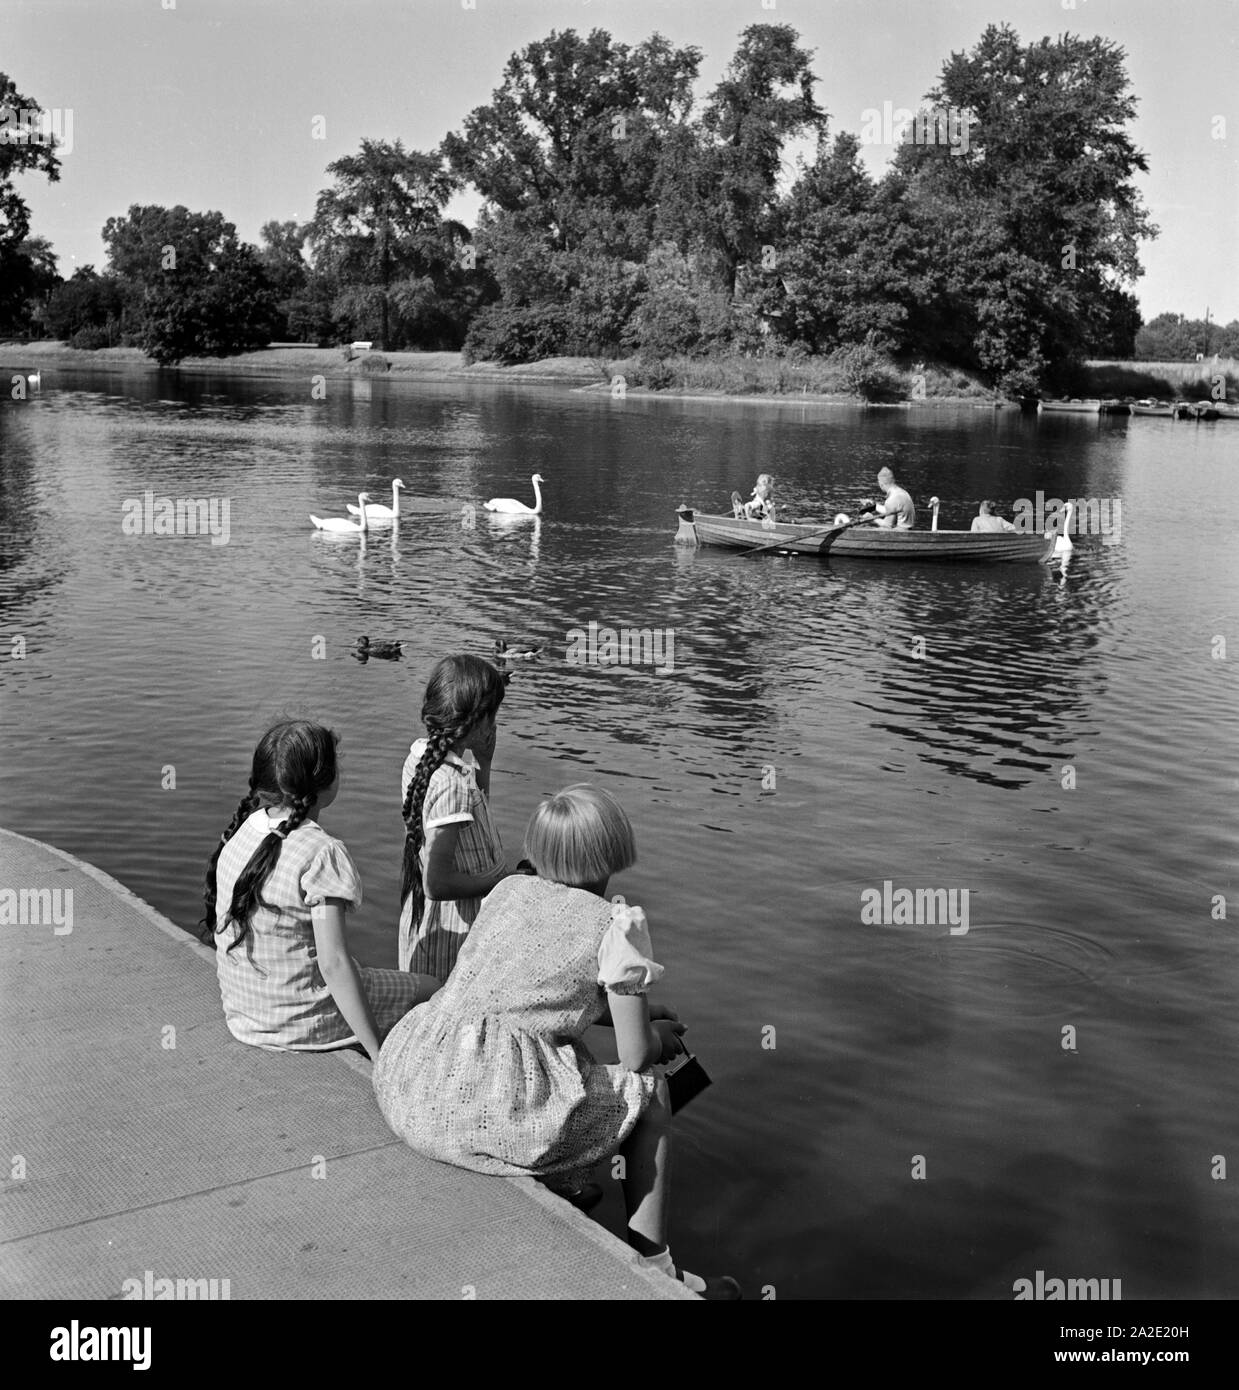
(452, 853)
(286, 978)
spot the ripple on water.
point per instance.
(998, 970)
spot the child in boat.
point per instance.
(987, 519)
(452, 853)
(495, 1075)
(760, 507)
(285, 976)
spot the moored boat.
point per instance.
(1151, 407)
(1073, 407)
(861, 542)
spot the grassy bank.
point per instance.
(293, 361)
(726, 376)
(1191, 381)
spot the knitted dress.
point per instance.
(491, 1073)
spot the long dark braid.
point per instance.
(461, 691)
(294, 763)
(247, 804)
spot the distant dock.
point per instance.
(145, 1152)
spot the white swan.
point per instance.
(1063, 545)
(935, 504)
(510, 504)
(376, 511)
(342, 523)
(36, 379)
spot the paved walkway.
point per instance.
(152, 1143)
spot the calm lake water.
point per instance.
(1065, 1069)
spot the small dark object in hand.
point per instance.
(685, 1078)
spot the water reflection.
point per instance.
(926, 767)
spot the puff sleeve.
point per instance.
(626, 962)
(449, 795)
(331, 874)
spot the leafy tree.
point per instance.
(380, 234)
(189, 285)
(1116, 322)
(27, 267)
(27, 284)
(729, 187)
(1173, 338)
(1040, 215)
(567, 155)
(17, 156)
(570, 143)
(87, 301)
(848, 263)
(286, 268)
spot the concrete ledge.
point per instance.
(151, 1141)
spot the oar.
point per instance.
(800, 540)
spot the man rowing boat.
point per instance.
(896, 513)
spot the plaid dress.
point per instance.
(452, 798)
(273, 993)
(492, 1072)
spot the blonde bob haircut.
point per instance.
(580, 836)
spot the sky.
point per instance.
(212, 103)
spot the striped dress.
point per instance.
(453, 798)
(272, 990)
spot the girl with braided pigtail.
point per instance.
(452, 853)
(288, 884)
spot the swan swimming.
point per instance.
(1063, 545)
(342, 523)
(511, 505)
(376, 511)
(935, 504)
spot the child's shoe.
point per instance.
(721, 1288)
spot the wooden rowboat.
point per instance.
(1073, 407)
(862, 542)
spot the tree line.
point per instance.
(622, 215)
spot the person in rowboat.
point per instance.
(897, 512)
(987, 519)
(759, 507)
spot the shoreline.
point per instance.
(98, 1088)
(579, 373)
